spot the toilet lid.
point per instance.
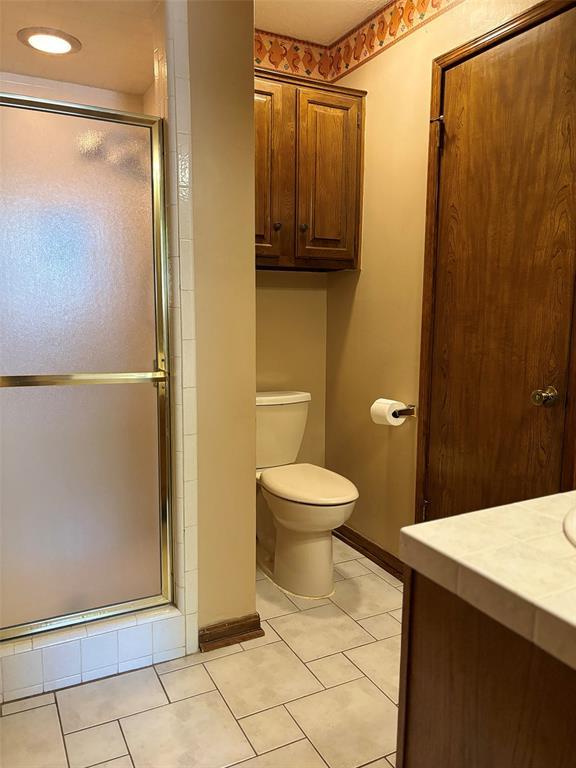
(308, 484)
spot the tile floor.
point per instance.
(320, 689)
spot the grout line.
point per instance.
(357, 667)
(382, 757)
(124, 717)
(63, 735)
(236, 720)
(30, 709)
(112, 760)
(373, 683)
(126, 741)
(278, 704)
(331, 653)
(105, 762)
(317, 751)
(277, 749)
(162, 685)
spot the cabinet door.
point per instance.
(329, 155)
(274, 122)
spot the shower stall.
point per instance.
(84, 395)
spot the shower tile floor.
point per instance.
(320, 689)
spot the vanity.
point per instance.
(488, 677)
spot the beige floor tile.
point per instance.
(95, 745)
(305, 603)
(320, 632)
(381, 663)
(120, 762)
(366, 596)
(269, 637)
(383, 763)
(349, 725)
(30, 703)
(260, 574)
(271, 601)
(334, 670)
(271, 729)
(342, 551)
(196, 658)
(298, 755)
(381, 572)
(109, 699)
(261, 678)
(381, 626)
(351, 568)
(194, 733)
(32, 739)
(397, 614)
(187, 682)
(392, 760)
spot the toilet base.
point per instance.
(265, 561)
(303, 562)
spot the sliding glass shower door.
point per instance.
(84, 438)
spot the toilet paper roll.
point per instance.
(382, 412)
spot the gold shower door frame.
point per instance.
(158, 377)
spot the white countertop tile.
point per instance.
(511, 562)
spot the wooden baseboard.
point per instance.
(230, 632)
(372, 551)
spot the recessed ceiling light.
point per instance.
(48, 40)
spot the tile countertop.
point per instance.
(513, 563)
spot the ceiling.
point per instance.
(116, 37)
(320, 21)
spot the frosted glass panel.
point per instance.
(76, 245)
(79, 499)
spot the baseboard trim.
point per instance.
(372, 551)
(230, 632)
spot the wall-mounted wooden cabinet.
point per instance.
(308, 174)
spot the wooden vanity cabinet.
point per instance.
(308, 174)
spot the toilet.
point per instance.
(298, 505)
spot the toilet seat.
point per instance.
(308, 484)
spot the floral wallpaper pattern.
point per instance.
(387, 26)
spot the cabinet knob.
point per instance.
(303, 227)
(277, 225)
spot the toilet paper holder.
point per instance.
(410, 410)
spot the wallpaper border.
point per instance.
(328, 63)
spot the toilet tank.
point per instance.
(280, 423)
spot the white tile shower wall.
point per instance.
(99, 649)
(89, 651)
(177, 112)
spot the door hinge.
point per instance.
(358, 120)
(425, 506)
(440, 131)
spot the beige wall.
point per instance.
(222, 151)
(291, 345)
(374, 318)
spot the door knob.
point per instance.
(277, 225)
(303, 227)
(545, 397)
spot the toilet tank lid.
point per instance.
(282, 398)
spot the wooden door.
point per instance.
(500, 311)
(274, 123)
(329, 155)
